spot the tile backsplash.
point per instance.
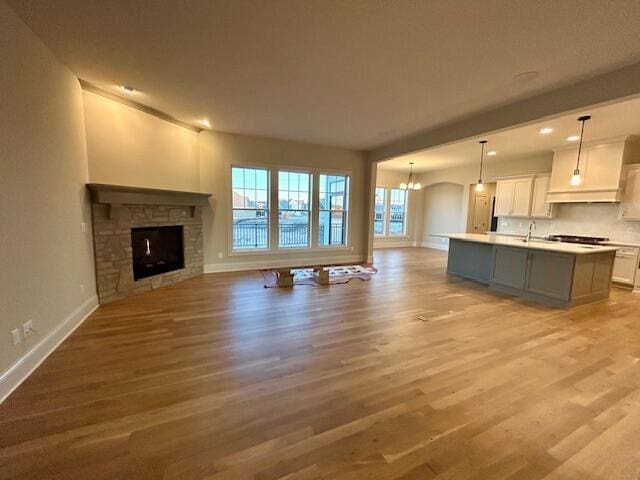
(591, 219)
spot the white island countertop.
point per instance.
(535, 244)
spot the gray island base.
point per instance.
(560, 275)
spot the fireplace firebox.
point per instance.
(156, 250)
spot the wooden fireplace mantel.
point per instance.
(116, 195)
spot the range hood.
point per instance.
(602, 164)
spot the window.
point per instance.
(390, 217)
(294, 207)
(380, 214)
(250, 190)
(333, 209)
(397, 212)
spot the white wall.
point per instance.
(468, 175)
(594, 219)
(591, 219)
(442, 212)
(218, 151)
(130, 147)
(126, 146)
(45, 258)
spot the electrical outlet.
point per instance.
(27, 328)
(219, 254)
(81, 288)
(84, 227)
(351, 249)
(15, 334)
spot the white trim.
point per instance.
(25, 366)
(269, 247)
(436, 246)
(390, 244)
(273, 212)
(594, 143)
(279, 263)
(391, 237)
(286, 250)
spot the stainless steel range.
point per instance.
(578, 239)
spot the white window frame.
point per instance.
(387, 215)
(347, 237)
(404, 218)
(240, 251)
(274, 212)
(312, 227)
(384, 213)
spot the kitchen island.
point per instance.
(552, 273)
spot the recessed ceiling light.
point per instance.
(127, 89)
(491, 153)
(573, 138)
(546, 130)
(205, 123)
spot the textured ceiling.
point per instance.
(610, 121)
(355, 73)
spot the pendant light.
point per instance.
(410, 185)
(479, 185)
(576, 179)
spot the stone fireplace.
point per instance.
(144, 238)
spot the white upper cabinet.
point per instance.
(540, 208)
(630, 205)
(601, 167)
(513, 197)
(522, 197)
(504, 198)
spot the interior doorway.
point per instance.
(480, 216)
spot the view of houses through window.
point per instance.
(294, 207)
(397, 212)
(390, 212)
(380, 211)
(251, 189)
(332, 228)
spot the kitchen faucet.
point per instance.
(532, 226)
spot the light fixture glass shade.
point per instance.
(576, 179)
(410, 185)
(403, 186)
(417, 186)
(479, 187)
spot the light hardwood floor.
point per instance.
(412, 375)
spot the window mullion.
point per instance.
(274, 210)
(315, 210)
(387, 213)
(405, 214)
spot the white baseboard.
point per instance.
(400, 244)
(279, 263)
(437, 246)
(19, 371)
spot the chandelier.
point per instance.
(410, 185)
